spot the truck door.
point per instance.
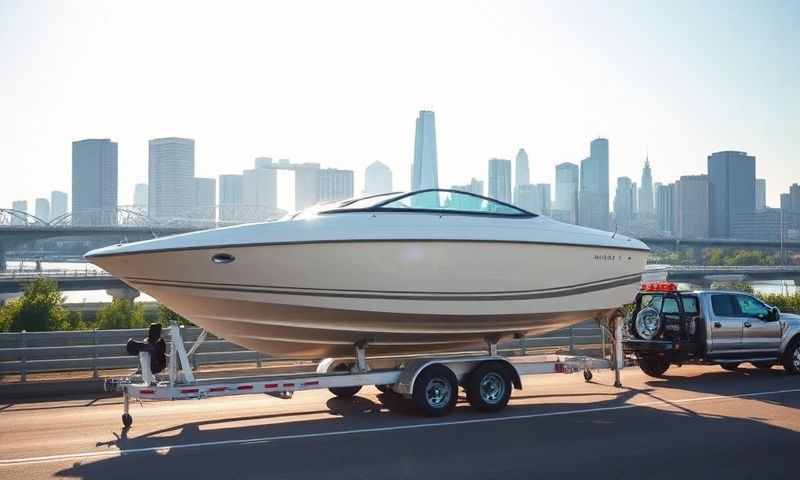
(759, 334)
(725, 333)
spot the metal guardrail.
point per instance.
(94, 350)
(53, 273)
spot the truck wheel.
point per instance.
(435, 390)
(653, 366)
(791, 357)
(344, 392)
(489, 387)
(731, 367)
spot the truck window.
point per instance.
(723, 305)
(690, 305)
(750, 307)
(670, 306)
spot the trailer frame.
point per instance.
(398, 374)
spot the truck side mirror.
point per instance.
(774, 314)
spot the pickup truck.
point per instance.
(672, 327)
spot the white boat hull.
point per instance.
(317, 299)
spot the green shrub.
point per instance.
(40, 309)
(121, 313)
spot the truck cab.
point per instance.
(671, 327)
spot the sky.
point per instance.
(340, 83)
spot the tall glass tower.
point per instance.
(424, 170)
(646, 191)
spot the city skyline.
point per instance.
(648, 103)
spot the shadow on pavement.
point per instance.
(563, 439)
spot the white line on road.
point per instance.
(251, 441)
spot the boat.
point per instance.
(424, 271)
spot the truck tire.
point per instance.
(653, 366)
(489, 387)
(435, 390)
(731, 367)
(791, 357)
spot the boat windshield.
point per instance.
(450, 201)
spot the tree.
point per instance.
(40, 309)
(121, 313)
(167, 316)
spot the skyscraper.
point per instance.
(474, 186)
(624, 201)
(170, 175)
(593, 203)
(335, 184)
(522, 175)
(665, 201)
(646, 191)
(43, 209)
(58, 203)
(500, 179)
(424, 170)
(20, 206)
(732, 176)
(94, 182)
(259, 193)
(230, 198)
(377, 179)
(140, 196)
(463, 202)
(567, 180)
(761, 193)
(691, 207)
(205, 198)
(534, 198)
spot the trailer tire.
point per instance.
(653, 366)
(791, 357)
(344, 392)
(435, 390)
(489, 387)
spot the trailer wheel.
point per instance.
(344, 392)
(653, 366)
(489, 387)
(435, 390)
(127, 420)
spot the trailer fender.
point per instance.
(461, 367)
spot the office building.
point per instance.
(94, 182)
(474, 186)
(259, 194)
(42, 209)
(230, 198)
(665, 200)
(140, 196)
(624, 201)
(19, 206)
(377, 179)
(335, 184)
(646, 208)
(464, 202)
(522, 175)
(761, 193)
(424, 170)
(205, 199)
(593, 193)
(692, 202)
(58, 203)
(732, 176)
(764, 225)
(170, 177)
(534, 198)
(306, 185)
(500, 179)
(565, 208)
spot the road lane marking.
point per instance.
(251, 441)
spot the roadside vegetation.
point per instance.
(720, 256)
(41, 308)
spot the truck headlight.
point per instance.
(648, 323)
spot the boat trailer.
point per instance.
(431, 381)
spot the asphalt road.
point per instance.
(701, 422)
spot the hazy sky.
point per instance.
(340, 83)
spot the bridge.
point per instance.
(705, 275)
(68, 280)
